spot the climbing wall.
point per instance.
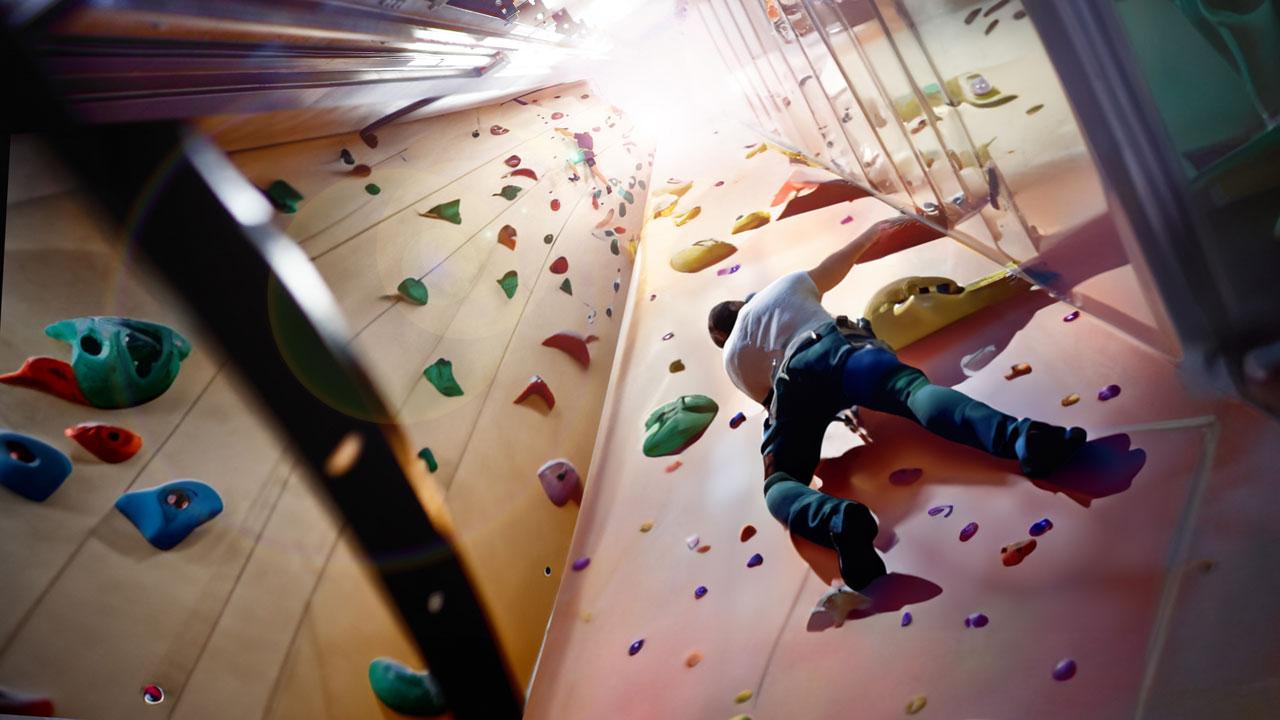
(696, 603)
(270, 610)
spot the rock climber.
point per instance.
(783, 349)
(586, 146)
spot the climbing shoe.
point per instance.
(1043, 448)
(851, 533)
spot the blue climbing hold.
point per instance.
(404, 690)
(167, 514)
(1040, 527)
(31, 467)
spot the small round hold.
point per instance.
(755, 560)
(548, 238)
(692, 542)
(1109, 392)
(555, 204)
(372, 189)
(1071, 316)
(704, 549)
(976, 620)
(581, 563)
(435, 602)
(1070, 400)
(743, 696)
(906, 619)
(1064, 670)
(152, 694)
(916, 704)
(968, 531)
(475, 133)
(699, 592)
(747, 532)
(347, 157)
(635, 647)
(737, 420)
(362, 170)
(979, 85)
(694, 658)
(668, 336)
(547, 571)
(1040, 527)
(718, 183)
(646, 526)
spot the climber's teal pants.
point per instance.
(827, 374)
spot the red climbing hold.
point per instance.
(513, 161)
(498, 130)
(555, 205)
(560, 265)
(537, 387)
(571, 344)
(49, 375)
(748, 531)
(557, 115)
(522, 172)
(108, 443)
(362, 170)
(620, 230)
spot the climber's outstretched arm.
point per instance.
(883, 238)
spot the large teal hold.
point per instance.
(121, 362)
(30, 467)
(675, 426)
(405, 691)
(167, 514)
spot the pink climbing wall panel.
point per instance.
(1104, 587)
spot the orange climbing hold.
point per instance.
(108, 443)
(1016, 552)
(1018, 371)
(49, 375)
(507, 237)
(537, 387)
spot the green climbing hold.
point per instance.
(613, 246)
(440, 374)
(566, 287)
(121, 362)
(509, 282)
(429, 458)
(413, 290)
(622, 209)
(508, 191)
(405, 691)
(372, 189)
(548, 238)
(284, 196)
(626, 195)
(675, 426)
(640, 184)
(450, 212)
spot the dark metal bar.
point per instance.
(367, 132)
(210, 234)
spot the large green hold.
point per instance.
(440, 374)
(675, 426)
(509, 282)
(284, 196)
(405, 691)
(120, 362)
(449, 212)
(413, 290)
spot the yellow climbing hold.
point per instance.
(666, 210)
(757, 150)
(586, 616)
(1070, 400)
(740, 717)
(916, 704)
(701, 255)
(678, 190)
(906, 310)
(751, 221)
(646, 526)
(742, 697)
(695, 212)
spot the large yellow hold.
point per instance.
(701, 255)
(909, 309)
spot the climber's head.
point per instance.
(721, 319)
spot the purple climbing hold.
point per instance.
(976, 620)
(668, 336)
(699, 592)
(729, 270)
(937, 510)
(1109, 392)
(968, 531)
(847, 219)
(1064, 670)
(755, 560)
(1071, 316)
(737, 420)
(1040, 527)
(635, 647)
(581, 563)
(906, 619)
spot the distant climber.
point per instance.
(586, 151)
(782, 348)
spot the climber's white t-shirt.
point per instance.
(766, 325)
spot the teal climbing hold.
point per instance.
(121, 362)
(449, 212)
(678, 424)
(31, 468)
(405, 691)
(440, 374)
(283, 196)
(429, 458)
(566, 287)
(372, 189)
(626, 195)
(413, 290)
(508, 192)
(622, 209)
(509, 282)
(167, 514)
